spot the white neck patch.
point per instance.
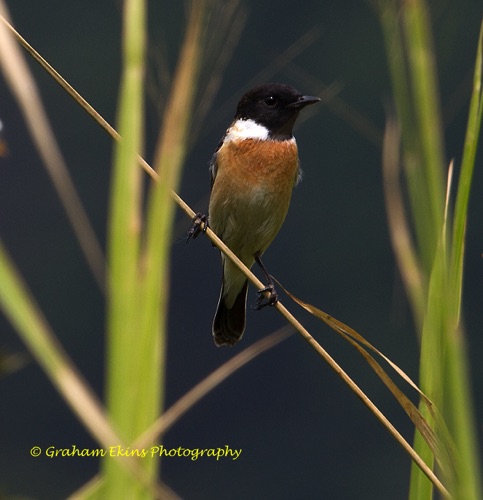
(246, 129)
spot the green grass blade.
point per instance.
(429, 134)
(406, 250)
(412, 70)
(444, 371)
(467, 167)
(467, 484)
(430, 367)
(124, 353)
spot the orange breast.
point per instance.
(251, 193)
(273, 164)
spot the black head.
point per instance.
(275, 106)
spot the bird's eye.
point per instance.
(270, 101)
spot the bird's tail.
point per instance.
(229, 322)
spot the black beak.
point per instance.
(304, 100)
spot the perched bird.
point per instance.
(253, 172)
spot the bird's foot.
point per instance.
(200, 225)
(263, 300)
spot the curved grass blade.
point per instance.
(360, 343)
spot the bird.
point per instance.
(253, 172)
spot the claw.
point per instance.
(199, 220)
(263, 301)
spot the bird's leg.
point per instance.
(262, 300)
(199, 220)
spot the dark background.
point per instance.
(303, 433)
